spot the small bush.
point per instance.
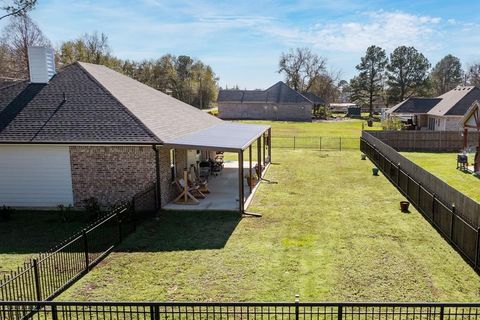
(92, 207)
(66, 213)
(6, 213)
(392, 123)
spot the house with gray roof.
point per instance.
(447, 114)
(279, 102)
(442, 113)
(89, 131)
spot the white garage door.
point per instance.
(35, 176)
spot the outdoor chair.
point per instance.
(188, 194)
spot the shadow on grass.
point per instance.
(35, 231)
(182, 230)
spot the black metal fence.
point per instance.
(237, 311)
(461, 234)
(47, 275)
(322, 143)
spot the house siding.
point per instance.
(265, 111)
(112, 174)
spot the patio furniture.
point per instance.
(194, 180)
(187, 193)
(462, 161)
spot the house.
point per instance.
(448, 113)
(443, 113)
(279, 102)
(413, 110)
(88, 131)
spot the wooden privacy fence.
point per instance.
(47, 275)
(440, 141)
(322, 143)
(458, 224)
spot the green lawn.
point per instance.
(443, 165)
(28, 233)
(350, 128)
(330, 231)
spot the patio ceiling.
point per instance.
(226, 136)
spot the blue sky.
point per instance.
(242, 40)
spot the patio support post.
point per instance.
(240, 182)
(270, 145)
(259, 157)
(264, 148)
(250, 167)
(158, 192)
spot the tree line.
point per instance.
(389, 79)
(185, 78)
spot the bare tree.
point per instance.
(17, 36)
(301, 68)
(473, 75)
(16, 7)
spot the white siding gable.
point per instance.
(35, 176)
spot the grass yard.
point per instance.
(28, 233)
(443, 166)
(330, 231)
(350, 128)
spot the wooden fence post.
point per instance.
(476, 248)
(453, 220)
(433, 208)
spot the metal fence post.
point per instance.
(119, 228)
(297, 308)
(54, 313)
(154, 312)
(442, 311)
(36, 275)
(85, 249)
(340, 312)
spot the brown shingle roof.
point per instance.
(101, 106)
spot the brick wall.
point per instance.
(112, 174)
(257, 111)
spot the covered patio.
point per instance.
(229, 190)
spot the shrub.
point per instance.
(66, 213)
(6, 213)
(392, 123)
(92, 207)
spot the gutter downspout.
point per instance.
(158, 193)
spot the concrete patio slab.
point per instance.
(223, 188)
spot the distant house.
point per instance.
(279, 102)
(442, 113)
(414, 110)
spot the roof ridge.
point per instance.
(125, 109)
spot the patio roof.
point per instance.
(226, 136)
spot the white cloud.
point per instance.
(386, 29)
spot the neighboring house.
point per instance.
(443, 113)
(279, 102)
(448, 113)
(414, 110)
(89, 131)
